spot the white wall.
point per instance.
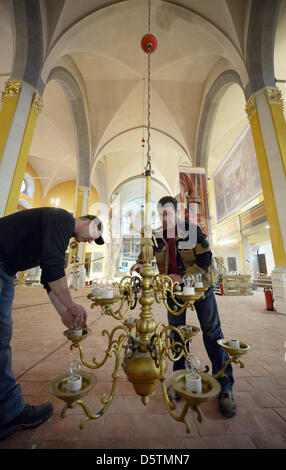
(265, 248)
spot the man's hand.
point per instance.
(74, 317)
(136, 267)
(79, 314)
(176, 278)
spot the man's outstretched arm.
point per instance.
(72, 315)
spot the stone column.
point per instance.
(21, 104)
(265, 112)
(244, 250)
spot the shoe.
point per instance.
(30, 417)
(227, 405)
(172, 394)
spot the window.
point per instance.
(24, 186)
(28, 186)
(231, 263)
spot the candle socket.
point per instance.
(193, 383)
(199, 285)
(74, 383)
(107, 294)
(234, 343)
(188, 291)
(77, 332)
(97, 292)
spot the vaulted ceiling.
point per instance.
(98, 43)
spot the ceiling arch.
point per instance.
(28, 42)
(221, 84)
(75, 99)
(260, 44)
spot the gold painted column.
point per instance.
(265, 113)
(80, 209)
(21, 105)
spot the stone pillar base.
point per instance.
(279, 288)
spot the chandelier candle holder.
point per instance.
(188, 288)
(193, 378)
(143, 355)
(77, 332)
(234, 348)
(75, 335)
(74, 382)
(198, 281)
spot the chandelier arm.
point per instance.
(181, 344)
(158, 326)
(117, 314)
(177, 313)
(171, 406)
(115, 375)
(159, 346)
(85, 408)
(232, 359)
(116, 349)
(198, 411)
(162, 284)
(97, 365)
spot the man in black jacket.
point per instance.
(182, 249)
(36, 237)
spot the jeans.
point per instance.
(11, 400)
(208, 316)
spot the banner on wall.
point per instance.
(237, 180)
(193, 194)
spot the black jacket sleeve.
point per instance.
(57, 229)
(204, 260)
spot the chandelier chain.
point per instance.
(149, 113)
(149, 93)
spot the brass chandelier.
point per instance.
(141, 346)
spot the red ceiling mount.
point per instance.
(149, 43)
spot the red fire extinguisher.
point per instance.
(268, 298)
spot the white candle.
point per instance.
(199, 284)
(189, 291)
(97, 292)
(77, 332)
(234, 344)
(193, 383)
(74, 383)
(107, 293)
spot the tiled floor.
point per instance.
(41, 352)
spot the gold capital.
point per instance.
(12, 88)
(250, 107)
(273, 94)
(37, 103)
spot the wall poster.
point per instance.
(237, 180)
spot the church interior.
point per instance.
(83, 107)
